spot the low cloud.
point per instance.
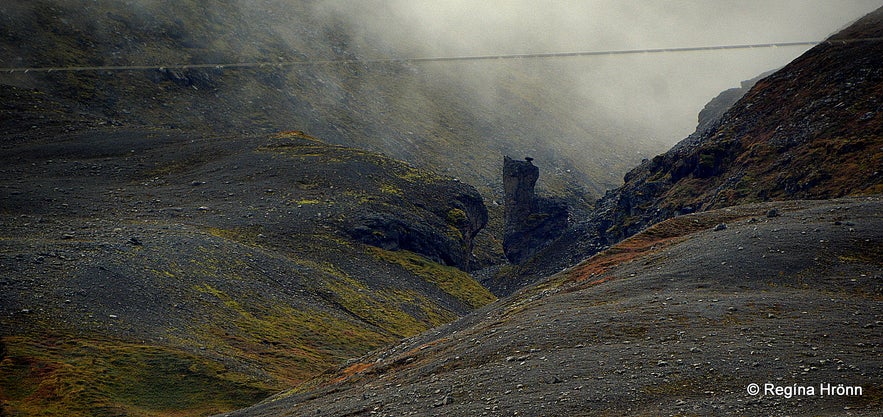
(661, 93)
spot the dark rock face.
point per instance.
(440, 230)
(811, 130)
(531, 222)
(519, 180)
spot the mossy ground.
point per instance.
(450, 280)
(69, 376)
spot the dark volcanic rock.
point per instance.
(714, 110)
(448, 243)
(531, 222)
(811, 130)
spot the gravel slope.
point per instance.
(681, 328)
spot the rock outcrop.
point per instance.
(531, 222)
(812, 130)
(443, 230)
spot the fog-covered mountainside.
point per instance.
(413, 112)
(172, 240)
(191, 240)
(812, 130)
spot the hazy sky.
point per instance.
(664, 92)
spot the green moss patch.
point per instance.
(55, 376)
(291, 344)
(402, 313)
(449, 279)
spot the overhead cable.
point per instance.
(374, 61)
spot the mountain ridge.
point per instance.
(684, 287)
(812, 129)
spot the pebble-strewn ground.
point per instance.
(791, 300)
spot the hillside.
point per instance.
(419, 114)
(165, 249)
(677, 320)
(733, 259)
(144, 272)
(812, 130)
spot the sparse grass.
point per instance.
(291, 344)
(65, 376)
(449, 279)
(241, 335)
(307, 202)
(417, 175)
(391, 189)
(384, 309)
(457, 217)
(247, 236)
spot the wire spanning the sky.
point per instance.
(370, 61)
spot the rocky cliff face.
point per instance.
(812, 130)
(446, 236)
(531, 222)
(519, 180)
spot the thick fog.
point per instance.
(596, 114)
(661, 93)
